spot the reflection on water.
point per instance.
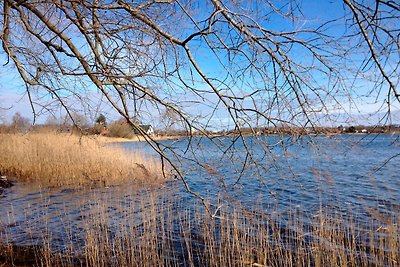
(350, 173)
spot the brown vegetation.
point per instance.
(69, 160)
(163, 236)
(121, 130)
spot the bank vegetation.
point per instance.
(160, 235)
(52, 159)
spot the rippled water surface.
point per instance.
(348, 170)
(351, 173)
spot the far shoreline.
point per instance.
(106, 139)
(137, 138)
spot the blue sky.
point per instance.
(13, 97)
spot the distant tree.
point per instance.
(101, 120)
(76, 120)
(19, 123)
(52, 121)
(170, 121)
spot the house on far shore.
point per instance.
(147, 128)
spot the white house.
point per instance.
(147, 128)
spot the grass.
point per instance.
(51, 159)
(157, 233)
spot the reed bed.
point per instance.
(157, 233)
(51, 159)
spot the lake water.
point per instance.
(349, 171)
(353, 173)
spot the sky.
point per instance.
(13, 97)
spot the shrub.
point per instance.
(120, 129)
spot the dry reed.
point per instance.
(69, 160)
(160, 234)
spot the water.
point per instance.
(353, 173)
(349, 171)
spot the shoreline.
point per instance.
(105, 139)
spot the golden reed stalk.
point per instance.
(68, 160)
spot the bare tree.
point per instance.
(170, 121)
(19, 123)
(243, 64)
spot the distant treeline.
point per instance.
(78, 125)
(120, 128)
(259, 131)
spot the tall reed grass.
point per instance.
(69, 160)
(156, 233)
